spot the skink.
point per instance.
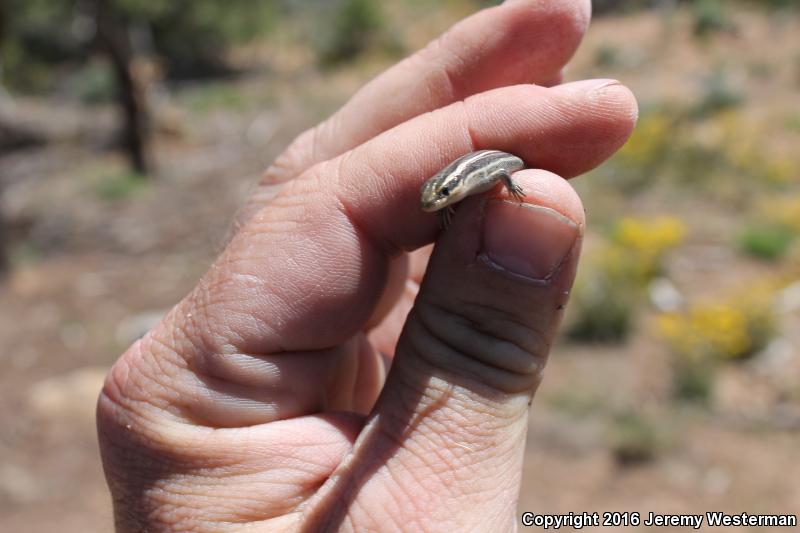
(470, 174)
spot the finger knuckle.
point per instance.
(497, 348)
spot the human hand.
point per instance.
(252, 405)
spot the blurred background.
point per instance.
(131, 130)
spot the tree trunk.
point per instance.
(113, 38)
(4, 262)
(3, 238)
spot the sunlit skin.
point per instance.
(262, 402)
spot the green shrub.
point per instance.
(717, 95)
(609, 7)
(774, 4)
(119, 186)
(634, 438)
(606, 56)
(600, 310)
(92, 84)
(692, 380)
(707, 334)
(766, 241)
(217, 95)
(649, 151)
(355, 28)
(709, 16)
(578, 401)
(792, 121)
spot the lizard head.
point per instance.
(438, 192)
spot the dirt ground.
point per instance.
(94, 268)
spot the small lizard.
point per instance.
(469, 174)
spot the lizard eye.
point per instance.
(444, 191)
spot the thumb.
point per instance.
(443, 448)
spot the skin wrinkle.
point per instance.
(240, 509)
(435, 460)
(244, 492)
(385, 519)
(318, 140)
(463, 411)
(450, 64)
(281, 169)
(532, 339)
(248, 369)
(479, 374)
(352, 173)
(152, 435)
(142, 419)
(384, 247)
(326, 136)
(415, 429)
(395, 504)
(462, 397)
(514, 356)
(151, 443)
(441, 87)
(188, 322)
(309, 293)
(213, 402)
(134, 373)
(448, 459)
(178, 477)
(232, 338)
(530, 331)
(404, 496)
(209, 335)
(165, 368)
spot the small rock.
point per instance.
(17, 485)
(788, 299)
(664, 296)
(73, 336)
(717, 482)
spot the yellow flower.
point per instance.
(649, 142)
(783, 210)
(730, 329)
(644, 243)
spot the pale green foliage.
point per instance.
(634, 438)
(355, 28)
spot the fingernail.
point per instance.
(526, 239)
(584, 86)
